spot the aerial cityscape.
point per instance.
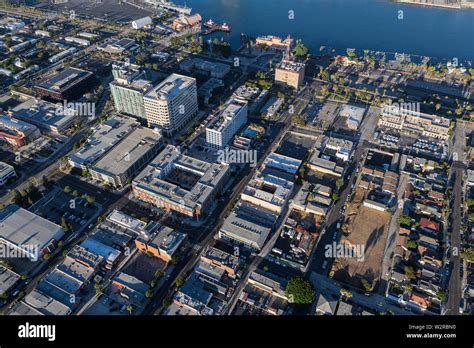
(190, 158)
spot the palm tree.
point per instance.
(130, 308)
(345, 293)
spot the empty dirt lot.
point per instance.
(367, 227)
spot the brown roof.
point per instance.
(436, 195)
(420, 300)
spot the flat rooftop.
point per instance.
(46, 304)
(130, 149)
(83, 256)
(352, 112)
(167, 239)
(126, 221)
(64, 79)
(108, 253)
(20, 227)
(283, 163)
(170, 87)
(249, 224)
(12, 124)
(105, 136)
(290, 65)
(203, 177)
(22, 308)
(226, 116)
(8, 278)
(4, 167)
(44, 113)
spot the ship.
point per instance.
(213, 26)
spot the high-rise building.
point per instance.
(172, 103)
(128, 88)
(226, 124)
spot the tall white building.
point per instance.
(172, 103)
(227, 123)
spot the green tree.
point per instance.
(299, 291)
(167, 301)
(300, 50)
(404, 220)
(67, 189)
(412, 244)
(90, 199)
(179, 282)
(345, 293)
(175, 259)
(409, 272)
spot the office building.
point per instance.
(164, 243)
(180, 183)
(128, 88)
(276, 43)
(48, 117)
(415, 122)
(248, 226)
(68, 84)
(171, 104)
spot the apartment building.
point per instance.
(226, 124)
(290, 74)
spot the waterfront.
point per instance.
(360, 24)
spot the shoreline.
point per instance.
(446, 6)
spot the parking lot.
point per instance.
(76, 211)
(296, 146)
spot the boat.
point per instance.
(209, 24)
(213, 26)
